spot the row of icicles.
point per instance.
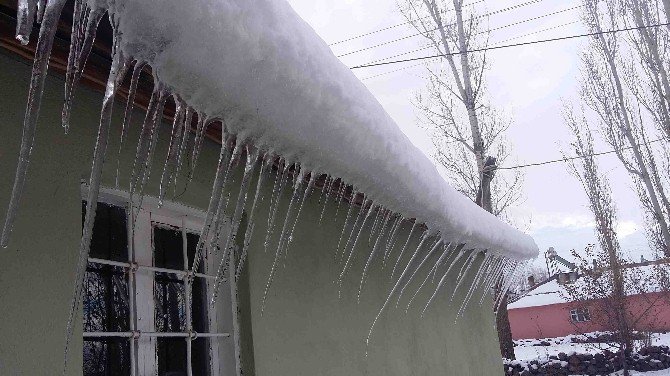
(483, 270)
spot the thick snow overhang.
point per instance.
(258, 66)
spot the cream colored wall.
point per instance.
(305, 328)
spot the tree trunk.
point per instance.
(504, 331)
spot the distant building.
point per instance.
(546, 311)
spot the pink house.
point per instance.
(546, 312)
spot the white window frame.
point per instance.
(224, 354)
(579, 315)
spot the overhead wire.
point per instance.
(396, 25)
(510, 45)
(517, 6)
(565, 159)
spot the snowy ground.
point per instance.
(525, 351)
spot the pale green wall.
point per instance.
(305, 329)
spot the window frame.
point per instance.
(141, 272)
(580, 315)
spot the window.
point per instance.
(580, 315)
(136, 313)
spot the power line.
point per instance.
(429, 31)
(487, 32)
(397, 25)
(509, 45)
(577, 157)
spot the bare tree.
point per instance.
(468, 133)
(597, 190)
(620, 122)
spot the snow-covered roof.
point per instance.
(639, 279)
(258, 66)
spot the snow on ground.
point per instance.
(526, 351)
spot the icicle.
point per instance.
(137, 70)
(372, 254)
(402, 250)
(375, 223)
(249, 169)
(474, 284)
(84, 29)
(173, 150)
(41, 10)
(324, 188)
(361, 213)
(442, 281)
(116, 75)
(38, 75)
(25, 17)
(214, 203)
(282, 237)
(197, 143)
(308, 190)
(250, 220)
(411, 277)
(188, 120)
(445, 254)
(492, 278)
(340, 196)
(353, 246)
(390, 295)
(275, 199)
(147, 159)
(327, 187)
(144, 142)
(390, 242)
(353, 228)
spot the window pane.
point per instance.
(105, 301)
(172, 357)
(169, 288)
(200, 347)
(105, 357)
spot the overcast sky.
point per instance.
(529, 83)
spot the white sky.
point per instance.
(527, 82)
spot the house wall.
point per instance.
(649, 312)
(306, 328)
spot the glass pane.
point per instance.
(105, 357)
(200, 347)
(169, 288)
(105, 301)
(172, 357)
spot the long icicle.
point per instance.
(390, 242)
(25, 17)
(277, 193)
(289, 212)
(215, 198)
(144, 141)
(38, 75)
(116, 75)
(370, 209)
(250, 220)
(372, 254)
(328, 187)
(188, 120)
(170, 165)
(346, 223)
(308, 190)
(197, 143)
(483, 268)
(390, 295)
(130, 103)
(80, 48)
(421, 264)
(340, 197)
(448, 251)
(402, 250)
(443, 280)
(249, 169)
